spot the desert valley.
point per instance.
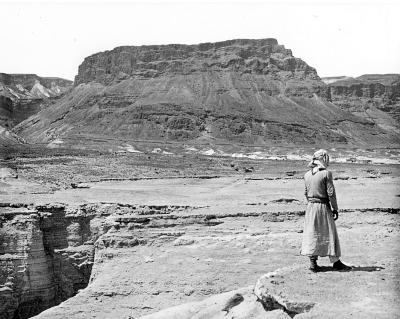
(166, 181)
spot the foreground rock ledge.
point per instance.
(240, 304)
(148, 259)
(265, 300)
(291, 292)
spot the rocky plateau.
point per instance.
(249, 92)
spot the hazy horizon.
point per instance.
(337, 38)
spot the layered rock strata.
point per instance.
(264, 56)
(237, 91)
(375, 97)
(46, 256)
(47, 252)
(22, 95)
(31, 86)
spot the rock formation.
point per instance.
(46, 256)
(374, 97)
(237, 91)
(47, 251)
(265, 300)
(264, 57)
(214, 307)
(22, 95)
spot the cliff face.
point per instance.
(265, 57)
(375, 97)
(47, 252)
(6, 121)
(46, 256)
(238, 91)
(22, 95)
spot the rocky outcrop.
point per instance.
(22, 95)
(46, 256)
(375, 97)
(238, 304)
(239, 91)
(264, 56)
(47, 252)
(267, 299)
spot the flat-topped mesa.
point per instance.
(253, 92)
(264, 56)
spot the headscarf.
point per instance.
(320, 160)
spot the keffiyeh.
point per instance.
(320, 160)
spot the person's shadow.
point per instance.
(353, 268)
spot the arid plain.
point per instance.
(193, 237)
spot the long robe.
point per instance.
(320, 236)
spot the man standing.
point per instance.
(320, 236)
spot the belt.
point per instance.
(318, 200)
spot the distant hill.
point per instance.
(22, 95)
(375, 97)
(332, 79)
(232, 92)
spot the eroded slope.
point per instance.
(375, 97)
(238, 91)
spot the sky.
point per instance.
(337, 37)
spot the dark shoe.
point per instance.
(313, 265)
(340, 266)
(315, 268)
